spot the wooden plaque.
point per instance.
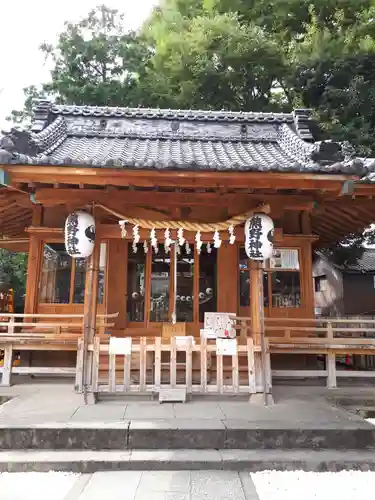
(173, 330)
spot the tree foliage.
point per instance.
(13, 275)
(94, 62)
(226, 54)
(212, 62)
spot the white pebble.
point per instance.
(36, 485)
(297, 485)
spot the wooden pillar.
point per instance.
(257, 326)
(116, 282)
(227, 278)
(89, 320)
(34, 263)
(306, 226)
(256, 299)
(95, 282)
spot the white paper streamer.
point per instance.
(180, 236)
(232, 236)
(167, 240)
(217, 240)
(198, 242)
(136, 236)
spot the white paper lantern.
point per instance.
(259, 237)
(79, 234)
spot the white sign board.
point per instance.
(208, 334)
(283, 258)
(183, 341)
(226, 347)
(220, 323)
(120, 345)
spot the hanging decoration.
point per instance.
(180, 236)
(153, 239)
(187, 248)
(199, 228)
(217, 240)
(79, 234)
(259, 231)
(145, 246)
(136, 238)
(167, 240)
(123, 229)
(232, 236)
(198, 242)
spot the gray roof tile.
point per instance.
(175, 139)
(364, 264)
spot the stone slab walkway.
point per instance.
(130, 485)
(182, 485)
(38, 404)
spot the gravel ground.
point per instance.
(36, 486)
(269, 485)
(351, 485)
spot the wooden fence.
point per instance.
(155, 364)
(332, 338)
(41, 332)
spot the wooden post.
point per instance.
(34, 262)
(7, 367)
(257, 320)
(86, 326)
(94, 297)
(256, 290)
(90, 312)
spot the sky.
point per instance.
(28, 23)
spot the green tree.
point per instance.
(13, 266)
(94, 62)
(23, 116)
(333, 73)
(212, 62)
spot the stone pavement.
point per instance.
(37, 404)
(130, 485)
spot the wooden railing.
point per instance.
(156, 363)
(332, 338)
(42, 332)
(193, 366)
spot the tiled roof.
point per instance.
(175, 139)
(365, 263)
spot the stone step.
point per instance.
(236, 460)
(189, 434)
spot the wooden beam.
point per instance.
(52, 197)
(127, 177)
